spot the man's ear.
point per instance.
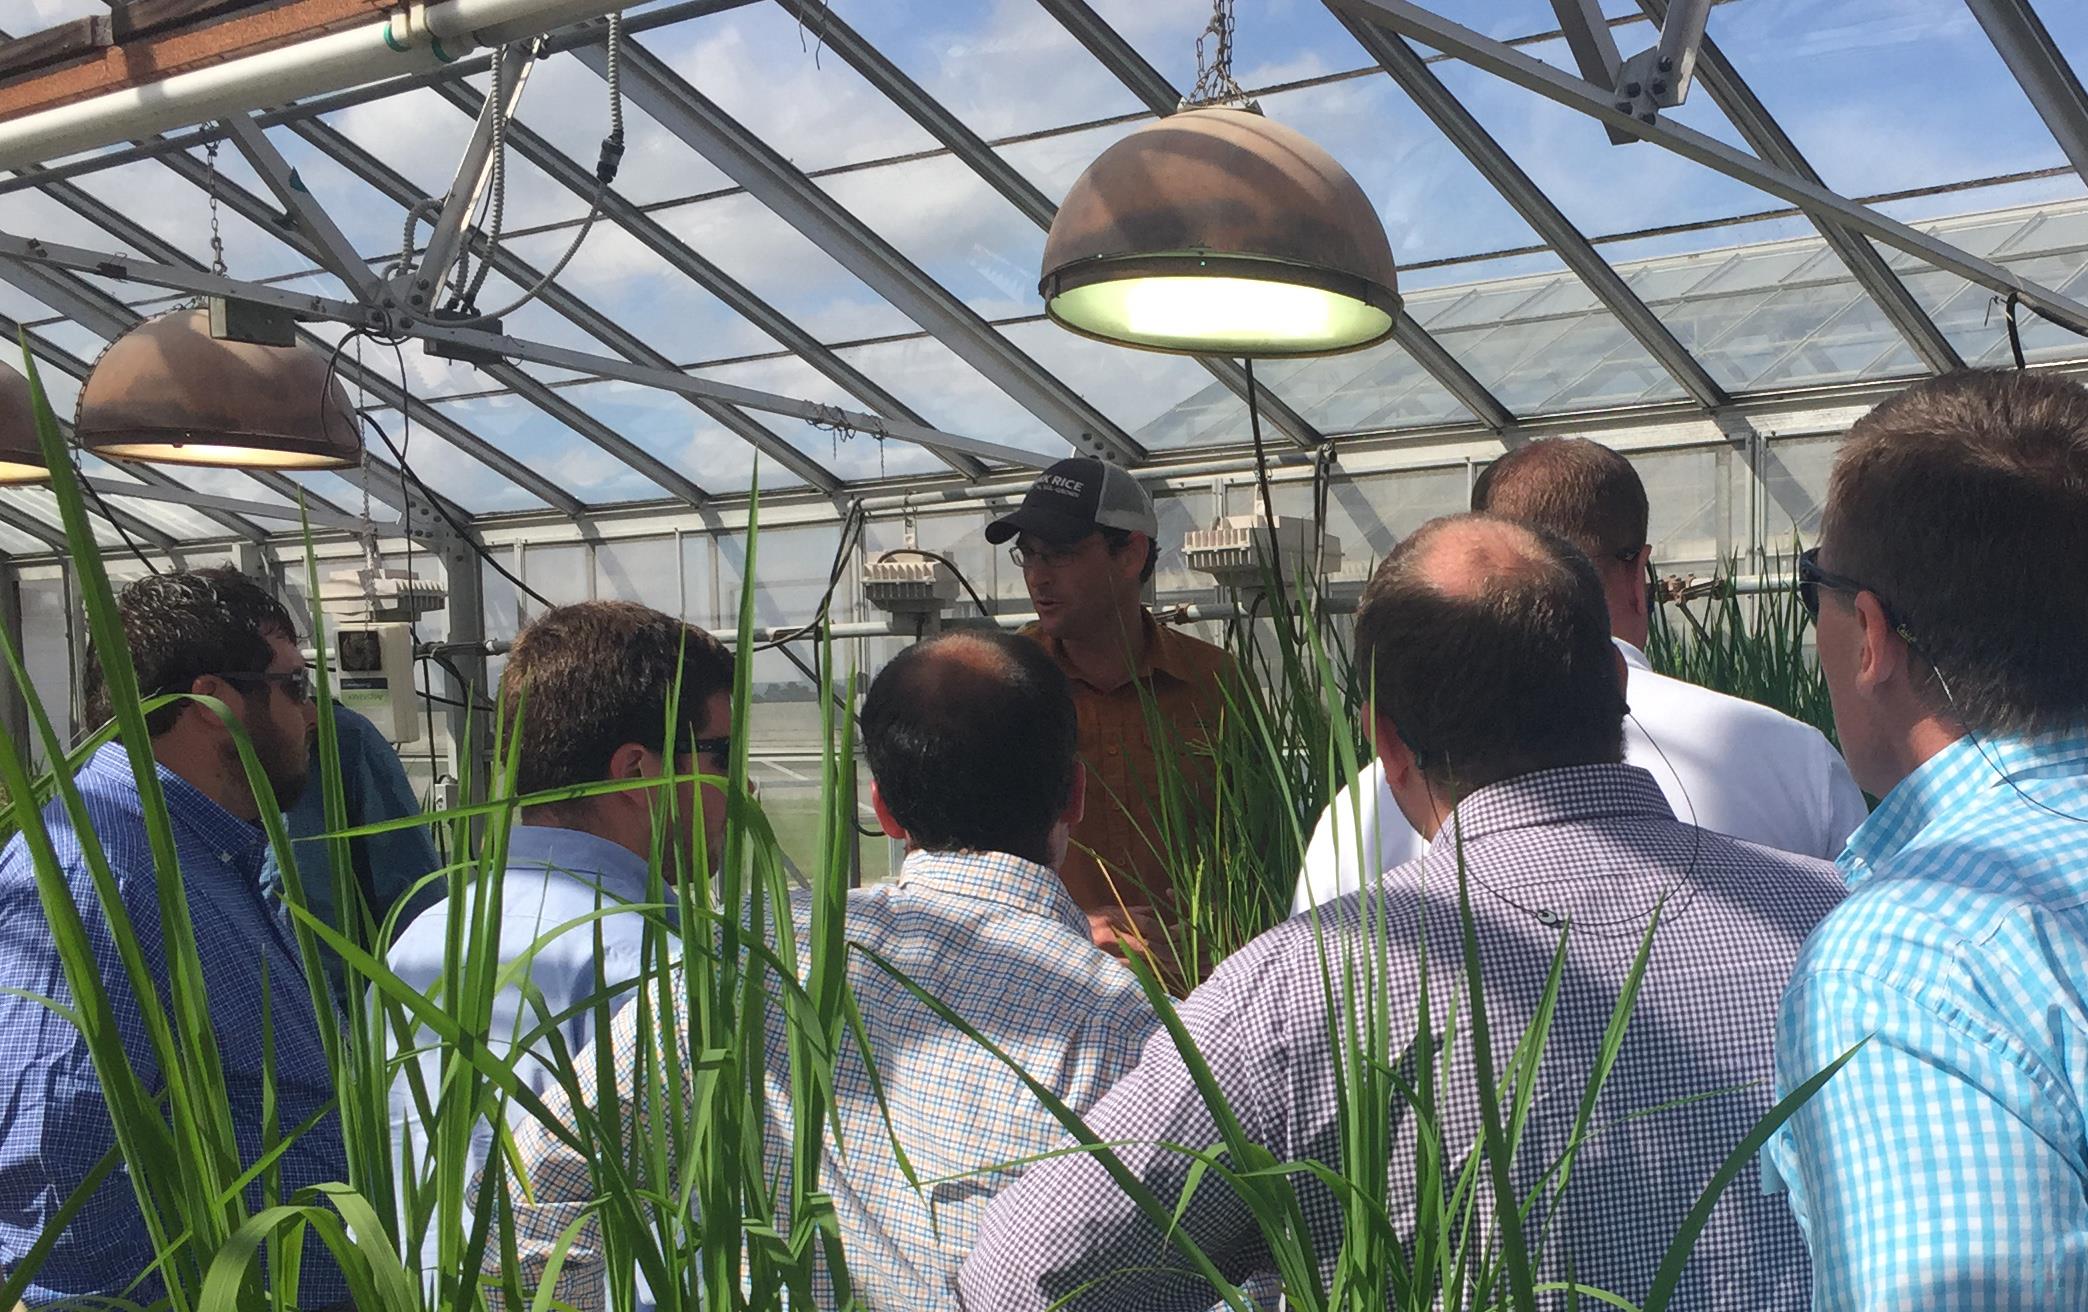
(885, 819)
(1392, 751)
(1076, 799)
(1884, 655)
(634, 761)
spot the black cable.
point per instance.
(433, 500)
(938, 557)
(114, 522)
(2015, 334)
(412, 624)
(851, 532)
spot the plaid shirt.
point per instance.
(998, 940)
(54, 1123)
(1946, 1167)
(1594, 846)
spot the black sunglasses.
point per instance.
(296, 684)
(1811, 578)
(720, 747)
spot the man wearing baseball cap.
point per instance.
(1087, 539)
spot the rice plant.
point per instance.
(687, 1204)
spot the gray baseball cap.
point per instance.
(1075, 497)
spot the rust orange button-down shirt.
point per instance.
(1115, 856)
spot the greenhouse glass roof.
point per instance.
(843, 206)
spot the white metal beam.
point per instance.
(1532, 74)
(421, 285)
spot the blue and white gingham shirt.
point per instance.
(1946, 1167)
(999, 941)
(54, 1123)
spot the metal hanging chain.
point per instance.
(210, 188)
(1214, 79)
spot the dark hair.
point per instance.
(1963, 503)
(590, 677)
(1505, 669)
(1580, 490)
(973, 741)
(183, 625)
(1116, 539)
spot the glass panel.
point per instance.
(640, 293)
(553, 450)
(1369, 390)
(180, 213)
(14, 542)
(1691, 503)
(2047, 244)
(666, 425)
(447, 469)
(961, 232)
(767, 70)
(969, 57)
(851, 457)
(1890, 94)
(558, 570)
(794, 565)
(1166, 402)
(742, 237)
(1795, 477)
(642, 570)
(37, 504)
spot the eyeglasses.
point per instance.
(296, 684)
(718, 747)
(1811, 578)
(1044, 557)
(1628, 555)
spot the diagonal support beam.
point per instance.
(2035, 59)
(1546, 219)
(51, 535)
(795, 198)
(322, 237)
(679, 255)
(420, 285)
(1146, 82)
(1766, 137)
(996, 172)
(1512, 65)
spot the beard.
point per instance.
(287, 763)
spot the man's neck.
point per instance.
(1111, 656)
(222, 781)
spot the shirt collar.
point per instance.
(996, 877)
(614, 868)
(1967, 773)
(242, 841)
(1166, 652)
(1633, 657)
(1550, 797)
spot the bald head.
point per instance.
(971, 738)
(1486, 642)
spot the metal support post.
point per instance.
(470, 736)
(14, 705)
(421, 285)
(1587, 32)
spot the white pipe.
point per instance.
(370, 53)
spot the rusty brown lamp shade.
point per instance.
(167, 392)
(1218, 232)
(21, 459)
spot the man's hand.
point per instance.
(1123, 930)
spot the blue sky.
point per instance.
(1881, 95)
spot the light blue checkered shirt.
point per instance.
(1946, 1167)
(999, 941)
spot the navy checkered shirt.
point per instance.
(54, 1123)
(1596, 847)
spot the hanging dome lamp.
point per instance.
(170, 392)
(1215, 231)
(21, 458)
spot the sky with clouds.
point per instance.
(1880, 95)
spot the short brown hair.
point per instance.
(1963, 504)
(590, 677)
(1580, 490)
(1511, 676)
(182, 625)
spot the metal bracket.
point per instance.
(1659, 78)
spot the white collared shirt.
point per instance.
(1728, 765)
